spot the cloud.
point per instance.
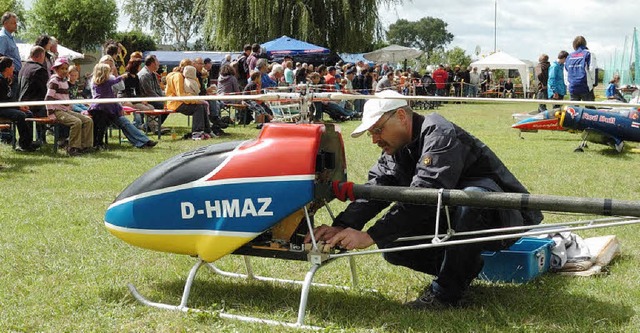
(527, 28)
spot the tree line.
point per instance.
(342, 26)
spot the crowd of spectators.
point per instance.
(45, 76)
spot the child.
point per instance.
(74, 74)
(81, 127)
(105, 113)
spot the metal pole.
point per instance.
(495, 26)
(503, 200)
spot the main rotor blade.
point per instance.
(555, 203)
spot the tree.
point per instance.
(457, 56)
(16, 7)
(135, 41)
(427, 34)
(173, 22)
(342, 26)
(78, 24)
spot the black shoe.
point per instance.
(430, 301)
(28, 149)
(73, 151)
(151, 143)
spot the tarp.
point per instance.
(353, 58)
(393, 53)
(502, 60)
(71, 55)
(290, 46)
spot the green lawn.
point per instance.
(61, 271)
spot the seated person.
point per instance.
(613, 92)
(262, 111)
(508, 89)
(132, 89)
(192, 84)
(111, 113)
(80, 126)
(335, 111)
(73, 77)
(200, 127)
(16, 115)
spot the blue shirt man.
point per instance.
(9, 48)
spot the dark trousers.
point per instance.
(101, 120)
(454, 266)
(199, 112)
(25, 129)
(159, 106)
(542, 94)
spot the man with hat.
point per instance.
(427, 152)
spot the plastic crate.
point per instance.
(526, 259)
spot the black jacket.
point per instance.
(441, 155)
(32, 80)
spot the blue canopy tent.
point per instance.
(300, 51)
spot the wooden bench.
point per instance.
(9, 124)
(49, 121)
(155, 115)
(227, 107)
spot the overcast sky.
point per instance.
(527, 28)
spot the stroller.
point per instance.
(426, 87)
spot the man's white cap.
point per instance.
(375, 108)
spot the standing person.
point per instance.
(474, 82)
(485, 84)
(542, 75)
(440, 77)
(580, 71)
(32, 83)
(17, 115)
(9, 48)
(427, 152)
(44, 41)
(556, 89)
(80, 126)
(242, 72)
(466, 81)
(252, 59)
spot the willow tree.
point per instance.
(343, 26)
(175, 22)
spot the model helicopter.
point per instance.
(258, 198)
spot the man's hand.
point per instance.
(323, 233)
(351, 239)
(24, 108)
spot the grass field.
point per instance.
(61, 271)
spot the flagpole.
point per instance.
(495, 26)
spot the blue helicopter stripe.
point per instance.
(245, 207)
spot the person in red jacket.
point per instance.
(440, 77)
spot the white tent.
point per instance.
(501, 60)
(71, 55)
